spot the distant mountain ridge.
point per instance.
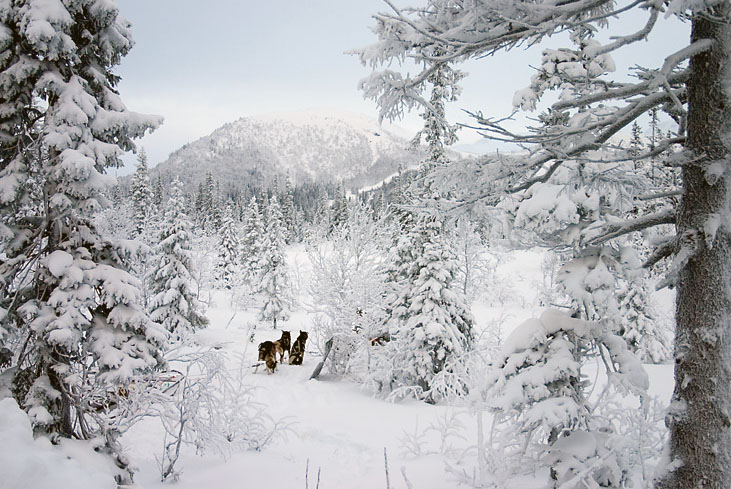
(315, 146)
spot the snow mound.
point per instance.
(27, 463)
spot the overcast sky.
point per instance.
(202, 64)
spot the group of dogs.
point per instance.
(268, 350)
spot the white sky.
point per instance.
(202, 64)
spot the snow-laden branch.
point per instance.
(557, 155)
(660, 195)
(629, 39)
(674, 60)
(459, 34)
(623, 92)
(615, 230)
(662, 251)
(660, 148)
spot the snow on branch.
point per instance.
(662, 251)
(687, 246)
(623, 92)
(660, 195)
(616, 230)
(672, 61)
(629, 39)
(459, 34)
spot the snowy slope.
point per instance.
(307, 146)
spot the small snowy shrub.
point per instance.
(211, 408)
(347, 289)
(583, 459)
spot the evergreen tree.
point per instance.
(403, 196)
(321, 218)
(428, 317)
(207, 204)
(228, 250)
(200, 200)
(636, 145)
(537, 390)
(289, 214)
(274, 285)
(653, 140)
(426, 313)
(174, 304)
(251, 246)
(66, 290)
(339, 210)
(142, 194)
(645, 336)
(209, 194)
(158, 193)
(379, 204)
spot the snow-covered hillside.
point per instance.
(307, 146)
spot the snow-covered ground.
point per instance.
(337, 431)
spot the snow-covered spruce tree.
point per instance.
(158, 194)
(636, 144)
(339, 210)
(602, 284)
(648, 339)
(579, 123)
(289, 214)
(251, 245)
(321, 217)
(228, 250)
(207, 205)
(66, 295)
(274, 281)
(538, 392)
(174, 304)
(143, 216)
(142, 194)
(428, 316)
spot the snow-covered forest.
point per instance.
(316, 301)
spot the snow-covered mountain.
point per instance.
(307, 146)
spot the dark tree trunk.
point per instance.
(60, 408)
(700, 434)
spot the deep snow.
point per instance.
(336, 428)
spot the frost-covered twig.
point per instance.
(212, 409)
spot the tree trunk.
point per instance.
(700, 434)
(318, 369)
